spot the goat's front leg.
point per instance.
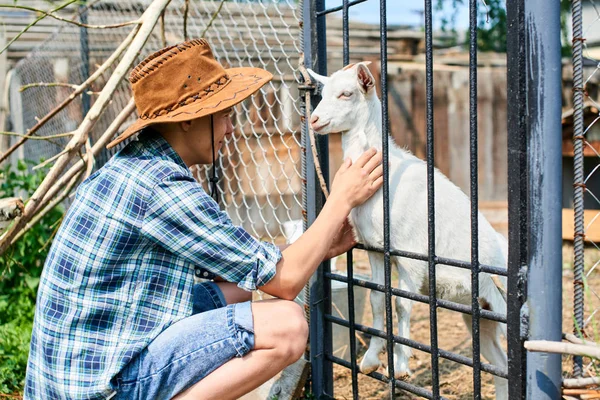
(370, 361)
(403, 308)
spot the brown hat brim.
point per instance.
(244, 82)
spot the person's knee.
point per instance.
(296, 332)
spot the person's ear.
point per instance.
(185, 125)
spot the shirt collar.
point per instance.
(155, 144)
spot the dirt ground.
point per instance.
(456, 380)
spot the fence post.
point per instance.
(518, 222)
(315, 56)
(542, 52)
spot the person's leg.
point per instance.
(280, 335)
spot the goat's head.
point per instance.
(346, 98)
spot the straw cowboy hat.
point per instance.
(185, 82)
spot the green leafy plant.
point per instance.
(20, 269)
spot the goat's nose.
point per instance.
(314, 119)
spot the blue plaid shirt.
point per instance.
(121, 269)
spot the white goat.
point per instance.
(350, 105)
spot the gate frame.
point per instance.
(534, 187)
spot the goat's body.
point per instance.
(409, 227)
(351, 106)
(409, 232)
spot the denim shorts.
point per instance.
(189, 349)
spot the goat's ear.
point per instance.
(319, 78)
(366, 82)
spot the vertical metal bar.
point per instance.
(435, 378)
(578, 178)
(315, 55)
(351, 318)
(386, 199)
(474, 199)
(518, 221)
(350, 259)
(345, 33)
(85, 57)
(543, 69)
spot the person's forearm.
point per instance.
(301, 258)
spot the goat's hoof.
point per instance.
(366, 366)
(402, 375)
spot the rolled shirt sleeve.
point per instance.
(183, 219)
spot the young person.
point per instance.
(118, 314)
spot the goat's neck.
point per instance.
(365, 134)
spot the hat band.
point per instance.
(203, 94)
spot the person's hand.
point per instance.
(354, 184)
(343, 241)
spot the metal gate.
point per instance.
(534, 203)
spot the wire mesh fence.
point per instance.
(259, 166)
(585, 176)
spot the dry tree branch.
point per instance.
(49, 137)
(186, 10)
(163, 37)
(546, 346)
(70, 21)
(149, 20)
(311, 133)
(574, 339)
(91, 160)
(581, 382)
(76, 169)
(107, 64)
(10, 208)
(48, 207)
(47, 84)
(38, 19)
(212, 19)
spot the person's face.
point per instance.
(199, 133)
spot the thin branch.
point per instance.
(186, 10)
(313, 144)
(163, 37)
(10, 209)
(581, 382)
(90, 159)
(107, 64)
(212, 19)
(38, 19)
(149, 18)
(545, 346)
(51, 159)
(47, 84)
(48, 208)
(76, 169)
(70, 21)
(50, 137)
(574, 339)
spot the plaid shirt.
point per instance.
(121, 269)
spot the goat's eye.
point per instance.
(345, 95)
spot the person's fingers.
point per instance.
(365, 157)
(377, 183)
(346, 164)
(376, 173)
(373, 163)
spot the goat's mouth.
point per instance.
(317, 128)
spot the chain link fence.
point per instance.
(259, 167)
(585, 176)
